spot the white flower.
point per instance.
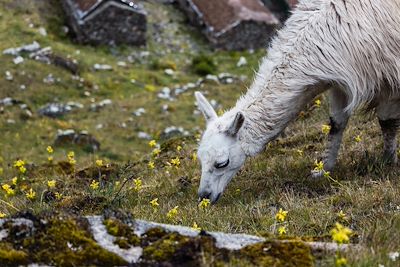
(393, 255)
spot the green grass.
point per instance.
(366, 190)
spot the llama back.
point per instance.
(354, 43)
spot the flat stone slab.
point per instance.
(118, 240)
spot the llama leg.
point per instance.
(338, 122)
(389, 120)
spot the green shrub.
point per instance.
(203, 65)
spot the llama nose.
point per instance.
(204, 194)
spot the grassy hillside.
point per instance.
(362, 188)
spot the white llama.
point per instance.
(351, 47)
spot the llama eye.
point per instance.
(222, 164)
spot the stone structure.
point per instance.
(232, 24)
(281, 8)
(109, 22)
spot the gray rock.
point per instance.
(173, 131)
(55, 110)
(15, 51)
(102, 67)
(100, 105)
(109, 22)
(83, 139)
(144, 135)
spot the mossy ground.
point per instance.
(367, 191)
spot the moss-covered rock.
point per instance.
(278, 253)
(55, 240)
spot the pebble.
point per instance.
(102, 67)
(242, 62)
(18, 60)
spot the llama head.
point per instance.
(220, 152)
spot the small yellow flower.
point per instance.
(99, 163)
(282, 230)
(325, 129)
(51, 184)
(58, 195)
(117, 183)
(154, 203)
(204, 203)
(220, 112)
(156, 152)
(71, 154)
(22, 169)
(341, 234)
(19, 163)
(94, 185)
(50, 158)
(194, 156)
(50, 150)
(327, 174)
(71, 157)
(317, 103)
(358, 139)
(151, 165)
(300, 152)
(281, 215)
(196, 227)
(341, 262)
(172, 213)
(31, 194)
(152, 143)
(14, 180)
(179, 148)
(138, 184)
(318, 166)
(8, 189)
(176, 162)
(2, 215)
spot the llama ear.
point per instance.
(236, 124)
(205, 107)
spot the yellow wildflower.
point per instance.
(220, 112)
(14, 181)
(151, 165)
(358, 139)
(19, 163)
(318, 166)
(2, 215)
(194, 156)
(204, 203)
(31, 194)
(58, 195)
(196, 227)
(176, 162)
(179, 148)
(71, 157)
(341, 262)
(156, 152)
(325, 129)
(117, 183)
(99, 163)
(50, 158)
(317, 103)
(172, 213)
(282, 230)
(154, 203)
(8, 189)
(94, 185)
(22, 169)
(50, 150)
(300, 152)
(327, 174)
(341, 234)
(281, 215)
(138, 184)
(51, 184)
(152, 143)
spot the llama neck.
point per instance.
(270, 105)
